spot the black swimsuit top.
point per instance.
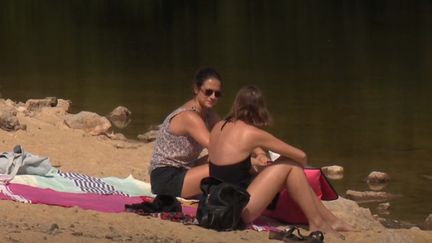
(238, 173)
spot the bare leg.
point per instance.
(336, 223)
(275, 177)
(193, 177)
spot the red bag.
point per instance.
(288, 211)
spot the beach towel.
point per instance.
(113, 203)
(99, 202)
(80, 183)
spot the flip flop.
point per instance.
(287, 235)
(293, 234)
(315, 237)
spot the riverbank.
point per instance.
(43, 131)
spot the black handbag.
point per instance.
(221, 205)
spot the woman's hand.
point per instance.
(262, 159)
(259, 162)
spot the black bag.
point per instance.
(221, 205)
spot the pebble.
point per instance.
(53, 229)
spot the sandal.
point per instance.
(293, 234)
(287, 235)
(315, 237)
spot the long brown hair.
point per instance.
(249, 106)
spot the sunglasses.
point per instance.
(209, 92)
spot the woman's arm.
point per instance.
(189, 123)
(266, 140)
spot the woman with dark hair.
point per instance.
(175, 168)
(232, 142)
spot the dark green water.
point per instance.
(348, 81)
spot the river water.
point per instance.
(347, 81)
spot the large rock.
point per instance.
(352, 213)
(120, 117)
(8, 118)
(377, 177)
(89, 122)
(52, 115)
(37, 104)
(369, 196)
(334, 172)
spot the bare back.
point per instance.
(230, 142)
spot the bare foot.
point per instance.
(340, 225)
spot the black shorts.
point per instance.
(167, 180)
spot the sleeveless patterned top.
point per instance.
(174, 150)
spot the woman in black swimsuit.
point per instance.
(234, 140)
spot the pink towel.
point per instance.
(98, 202)
(103, 203)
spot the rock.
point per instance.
(37, 104)
(89, 122)
(383, 208)
(117, 136)
(51, 115)
(123, 145)
(10, 103)
(334, 172)
(377, 177)
(120, 117)
(21, 108)
(377, 186)
(428, 222)
(148, 136)
(8, 118)
(64, 104)
(53, 229)
(6, 107)
(369, 196)
(9, 122)
(351, 212)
